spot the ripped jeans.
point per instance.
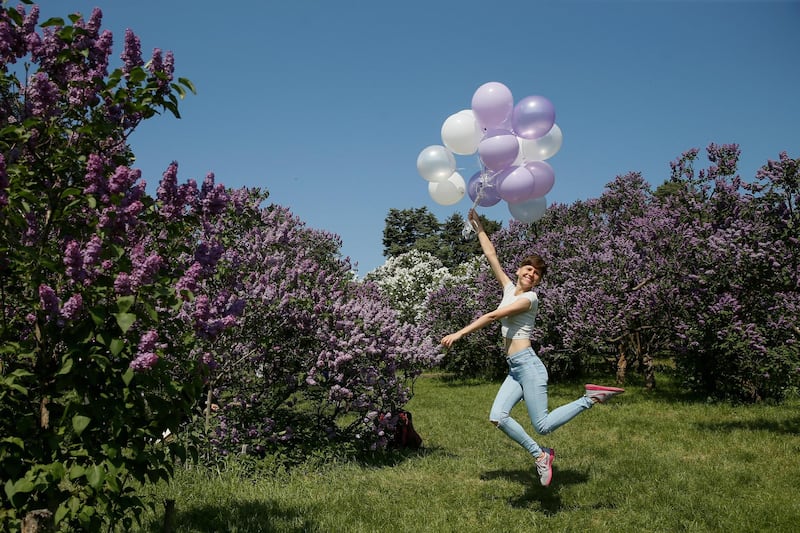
(527, 379)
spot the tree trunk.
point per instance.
(622, 363)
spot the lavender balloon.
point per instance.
(498, 149)
(483, 184)
(543, 177)
(533, 117)
(515, 184)
(492, 104)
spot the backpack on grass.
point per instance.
(405, 436)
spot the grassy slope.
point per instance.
(644, 462)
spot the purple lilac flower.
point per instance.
(132, 52)
(147, 343)
(208, 253)
(73, 260)
(91, 255)
(169, 65)
(146, 269)
(189, 280)
(214, 197)
(41, 96)
(123, 178)
(95, 175)
(144, 362)
(123, 285)
(167, 192)
(48, 300)
(72, 307)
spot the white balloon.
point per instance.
(436, 163)
(542, 148)
(460, 132)
(448, 192)
(529, 210)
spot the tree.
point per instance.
(408, 229)
(418, 229)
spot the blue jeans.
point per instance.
(527, 379)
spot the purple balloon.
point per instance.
(543, 177)
(480, 181)
(492, 104)
(533, 117)
(515, 184)
(498, 149)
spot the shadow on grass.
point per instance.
(242, 516)
(548, 498)
(394, 456)
(790, 426)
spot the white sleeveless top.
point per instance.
(518, 326)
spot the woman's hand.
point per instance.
(475, 221)
(448, 341)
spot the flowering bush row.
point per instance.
(702, 271)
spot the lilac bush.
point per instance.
(98, 357)
(319, 361)
(736, 333)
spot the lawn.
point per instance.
(646, 461)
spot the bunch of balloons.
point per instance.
(512, 142)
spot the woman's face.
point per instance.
(528, 276)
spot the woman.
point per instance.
(527, 375)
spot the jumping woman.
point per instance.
(527, 375)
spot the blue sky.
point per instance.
(328, 104)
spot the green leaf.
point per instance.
(188, 84)
(125, 321)
(116, 346)
(61, 512)
(76, 471)
(20, 486)
(127, 377)
(95, 476)
(54, 21)
(137, 75)
(113, 484)
(79, 423)
(57, 471)
(124, 303)
(98, 317)
(66, 367)
(16, 441)
(10, 489)
(71, 191)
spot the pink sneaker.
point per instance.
(600, 394)
(544, 466)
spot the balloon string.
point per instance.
(466, 233)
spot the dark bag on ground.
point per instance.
(405, 436)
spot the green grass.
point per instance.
(644, 462)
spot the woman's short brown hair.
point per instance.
(537, 262)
